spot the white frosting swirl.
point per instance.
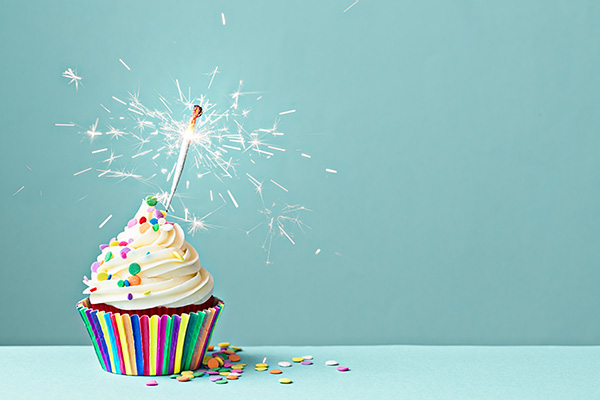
(170, 274)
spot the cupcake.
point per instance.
(150, 308)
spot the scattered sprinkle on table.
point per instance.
(285, 380)
(331, 362)
(275, 371)
(151, 382)
(260, 369)
(284, 364)
(223, 345)
(222, 381)
(306, 362)
(297, 359)
(308, 357)
(342, 369)
(183, 378)
(261, 365)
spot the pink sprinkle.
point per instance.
(306, 362)
(112, 240)
(95, 266)
(85, 278)
(103, 246)
(237, 371)
(123, 243)
(132, 222)
(342, 369)
(151, 209)
(151, 382)
(123, 255)
(171, 223)
(227, 365)
(215, 378)
(212, 372)
(130, 240)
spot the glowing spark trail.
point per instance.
(232, 199)
(119, 100)
(185, 145)
(287, 112)
(105, 221)
(351, 5)
(64, 124)
(223, 18)
(126, 66)
(82, 171)
(305, 155)
(72, 75)
(332, 171)
(15, 193)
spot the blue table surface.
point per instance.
(385, 372)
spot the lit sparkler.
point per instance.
(185, 145)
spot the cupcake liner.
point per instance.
(132, 344)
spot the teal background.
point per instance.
(465, 210)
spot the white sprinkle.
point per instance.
(287, 112)
(99, 150)
(71, 124)
(276, 148)
(307, 357)
(126, 66)
(284, 364)
(351, 5)
(120, 101)
(22, 187)
(101, 105)
(333, 171)
(232, 199)
(105, 221)
(317, 252)
(305, 155)
(331, 362)
(82, 171)
(223, 18)
(277, 184)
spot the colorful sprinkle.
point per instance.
(237, 370)
(162, 221)
(261, 365)
(331, 363)
(275, 371)
(134, 268)
(122, 243)
(223, 345)
(154, 221)
(166, 227)
(260, 369)
(187, 372)
(144, 227)
(103, 246)
(198, 374)
(121, 283)
(102, 276)
(147, 292)
(155, 227)
(123, 255)
(109, 276)
(234, 358)
(158, 214)
(174, 376)
(183, 378)
(179, 256)
(114, 243)
(231, 377)
(134, 280)
(151, 201)
(142, 220)
(297, 359)
(215, 378)
(92, 290)
(126, 283)
(221, 382)
(308, 357)
(236, 348)
(306, 362)
(285, 380)
(108, 256)
(343, 369)
(151, 382)
(129, 296)
(284, 364)
(132, 222)
(130, 240)
(95, 266)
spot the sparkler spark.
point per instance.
(72, 75)
(351, 5)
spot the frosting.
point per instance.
(148, 265)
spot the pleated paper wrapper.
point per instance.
(132, 344)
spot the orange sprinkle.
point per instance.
(134, 280)
(213, 363)
(183, 378)
(144, 227)
(211, 347)
(234, 358)
(228, 351)
(275, 371)
(231, 377)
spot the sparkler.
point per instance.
(185, 145)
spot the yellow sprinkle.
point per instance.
(223, 344)
(297, 359)
(205, 360)
(261, 369)
(224, 373)
(114, 243)
(102, 276)
(285, 380)
(238, 366)
(147, 292)
(236, 348)
(187, 373)
(261, 365)
(176, 254)
(220, 360)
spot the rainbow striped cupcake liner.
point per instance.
(156, 345)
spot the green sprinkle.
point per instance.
(151, 201)
(134, 268)
(198, 374)
(173, 376)
(147, 292)
(155, 227)
(221, 382)
(108, 256)
(120, 283)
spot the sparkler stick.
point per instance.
(185, 145)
